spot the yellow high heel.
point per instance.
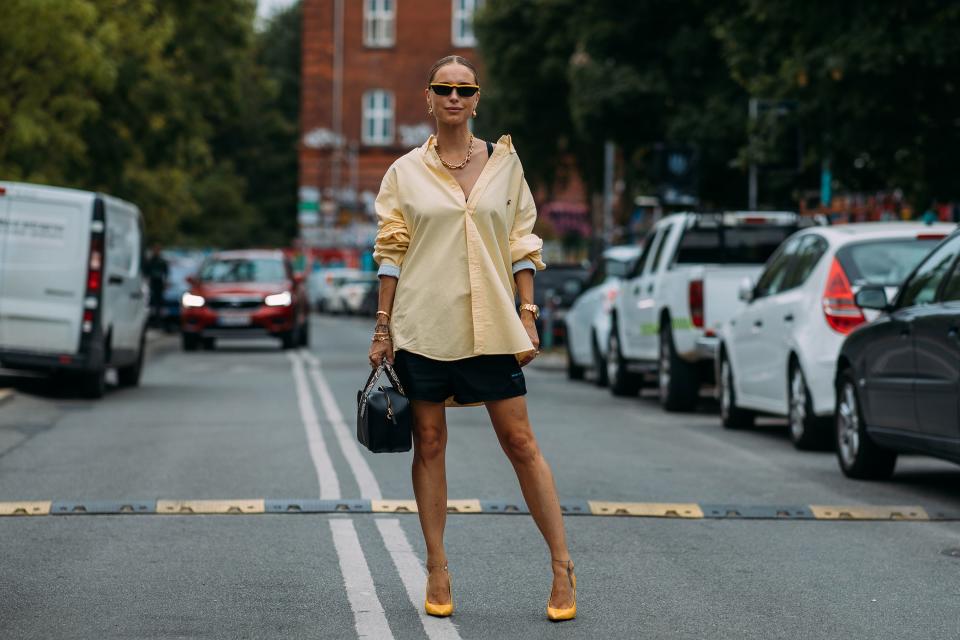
(569, 613)
(440, 610)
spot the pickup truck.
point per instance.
(683, 288)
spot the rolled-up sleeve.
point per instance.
(524, 244)
(393, 237)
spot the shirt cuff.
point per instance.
(520, 265)
(389, 270)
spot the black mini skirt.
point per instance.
(468, 381)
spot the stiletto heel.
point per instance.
(555, 614)
(440, 610)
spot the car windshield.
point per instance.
(618, 268)
(747, 244)
(243, 270)
(883, 262)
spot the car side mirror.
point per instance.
(872, 297)
(745, 292)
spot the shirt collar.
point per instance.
(432, 141)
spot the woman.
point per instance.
(454, 246)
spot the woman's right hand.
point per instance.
(380, 351)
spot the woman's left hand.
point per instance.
(531, 326)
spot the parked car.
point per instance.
(898, 378)
(348, 297)
(588, 320)
(72, 295)
(681, 291)
(554, 291)
(779, 352)
(325, 285)
(245, 294)
(181, 267)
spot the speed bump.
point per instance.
(187, 507)
(825, 512)
(393, 506)
(646, 509)
(25, 508)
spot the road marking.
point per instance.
(822, 512)
(326, 474)
(368, 615)
(177, 507)
(414, 578)
(648, 509)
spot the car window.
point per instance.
(775, 274)
(811, 249)
(922, 286)
(884, 262)
(656, 263)
(243, 270)
(618, 268)
(951, 289)
(745, 244)
(641, 261)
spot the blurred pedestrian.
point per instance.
(157, 271)
(454, 245)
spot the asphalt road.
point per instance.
(249, 422)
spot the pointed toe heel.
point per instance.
(440, 610)
(557, 614)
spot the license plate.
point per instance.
(234, 319)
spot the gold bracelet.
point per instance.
(383, 313)
(380, 339)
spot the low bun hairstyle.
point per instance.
(442, 62)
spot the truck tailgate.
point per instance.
(721, 286)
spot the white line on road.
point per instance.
(369, 487)
(413, 577)
(326, 475)
(368, 615)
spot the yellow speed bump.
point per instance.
(828, 512)
(180, 507)
(464, 506)
(25, 508)
(393, 506)
(646, 509)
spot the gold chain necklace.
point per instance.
(454, 167)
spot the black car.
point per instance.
(898, 378)
(554, 291)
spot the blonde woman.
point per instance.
(455, 245)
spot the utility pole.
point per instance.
(336, 155)
(753, 112)
(608, 156)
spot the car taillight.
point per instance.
(94, 273)
(839, 308)
(696, 303)
(931, 236)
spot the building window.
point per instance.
(463, 22)
(379, 19)
(377, 117)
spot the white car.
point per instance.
(778, 355)
(323, 283)
(72, 295)
(683, 288)
(588, 320)
(348, 296)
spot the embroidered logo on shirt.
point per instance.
(508, 202)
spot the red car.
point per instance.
(244, 294)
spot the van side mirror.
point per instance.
(745, 292)
(872, 296)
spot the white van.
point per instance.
(72, 296)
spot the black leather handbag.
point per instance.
(384, 417)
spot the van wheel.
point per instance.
(288, 339)
(807, 431)
(622, 381)
(190, 341)
(93, 384)
(599, 364)
(129, 376)
(678, 380)
(731, 416)
(857, 454)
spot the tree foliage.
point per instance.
(175, 105)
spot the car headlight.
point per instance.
(192, 300)
(282, 299)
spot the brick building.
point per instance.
(362, 104)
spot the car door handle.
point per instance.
(788, 317)
(650, 289)
(758, 323)
(636, 290)
(136, 295)
(115, 280)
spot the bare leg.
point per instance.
(512, 425)
(430, 488)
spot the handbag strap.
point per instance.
(372, 380)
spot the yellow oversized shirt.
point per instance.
(455, 292)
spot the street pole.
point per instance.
(753, 112)
(337, 153)
(608, 154)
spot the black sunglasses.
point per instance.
(463, 90)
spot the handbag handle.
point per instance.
(372, 380)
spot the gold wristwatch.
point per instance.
(532, 308)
